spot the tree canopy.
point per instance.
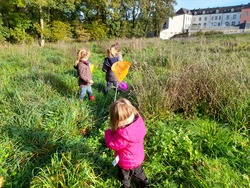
(81, 20)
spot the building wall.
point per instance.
(187, 22)
(245, 16)
(231, 19)
(175, 26)
(217, 20)
(205, 19)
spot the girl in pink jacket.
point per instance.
(125, 136)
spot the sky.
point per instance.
(195, 4)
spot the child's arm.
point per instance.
(113, 142)
(119, 55)
(83, 74)
(76, 64)
(105, 65)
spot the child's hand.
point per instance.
(91, 82)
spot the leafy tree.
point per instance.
(97, 30)
(80, 33)
(95, 19)
(154, 13)
(19, 35)
(16, 21)
(160, 11)
(60, 31)
(4, 33)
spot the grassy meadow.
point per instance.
(193, 94)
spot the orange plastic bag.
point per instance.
(120, 69)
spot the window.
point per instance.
(246, 13)
(218, 23)
(204, 24)
(165, 26)
(233, 23)
(232, 10)
(227, 24)
(212, 18)
(194, 19)
(212, 24)
(217, 11)
(227, 17)
(199, 18)
(234, 16)
(203, 12)
(215, 23)
(205, 18)
(219, 17)
(215, 18)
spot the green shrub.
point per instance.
(98, 30)
(4, 33)
(81, 34)
(60, 31)
(19, 36)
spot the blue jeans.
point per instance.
(84, 90)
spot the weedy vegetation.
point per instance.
(193, 94)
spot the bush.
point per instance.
(81, 34)
(4, 33)
(98, 30)
(18, 35)
(206, 33)
(60, 31)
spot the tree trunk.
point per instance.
(42, 42)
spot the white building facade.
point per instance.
(178, 24)
(217, 17)
(209, 18)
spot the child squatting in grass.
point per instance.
(84, 74)
(126, 137)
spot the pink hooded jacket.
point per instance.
(127, 142)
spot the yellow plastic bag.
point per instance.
(91, 66)
(120, 69)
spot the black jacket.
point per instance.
(108, 62)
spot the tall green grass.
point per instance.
(193, 95)
(201, 76)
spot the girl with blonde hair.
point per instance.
(84, 74)
(126, 137)
(107, 64)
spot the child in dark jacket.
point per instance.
(85, 77)
(126, 137)
(108, 62)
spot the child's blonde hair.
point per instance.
(82, 54)
(111, 52)
(119, 111)
(116, 46)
